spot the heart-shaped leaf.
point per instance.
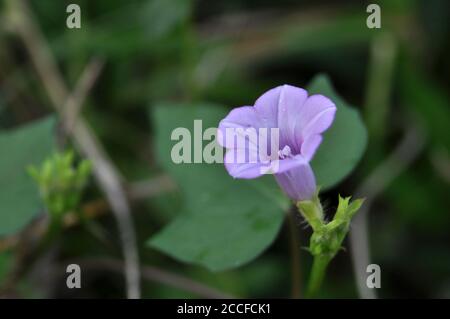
(343, 144)
(19, 195)
(224, 222)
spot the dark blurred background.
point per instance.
(228, 53)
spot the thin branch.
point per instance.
(151, 187)
(295, 256)
(76, 100)
(20, 19)
(104, 170)
(157, 275)
(383, 53)
(397, 162)
(109, 181)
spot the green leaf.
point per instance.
(19, 197)
(427, 101)
(6, 262)
(343, 144)
(223, 222)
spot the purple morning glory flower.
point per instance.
(299, 120)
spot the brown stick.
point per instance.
(157, 275)
(408, 149)
(295, 257)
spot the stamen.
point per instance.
(285, 152)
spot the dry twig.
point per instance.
(157, 275)
(381, 177)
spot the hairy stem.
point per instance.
(317, 275)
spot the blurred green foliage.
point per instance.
(175, 53)
(60, 183)
(21, 147)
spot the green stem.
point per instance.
(317, 275)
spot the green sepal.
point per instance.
(327, 237)
(312, 211)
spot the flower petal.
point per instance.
(298, 183)
(316, 116)
(239, 166)
(321, 122)
(267, 107)
(242, 117)
(290, 103)
(310, 145)
(283, 165)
